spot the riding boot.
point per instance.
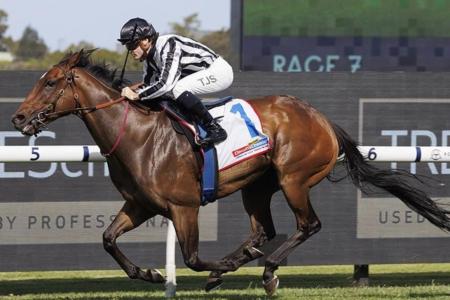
(214, 132)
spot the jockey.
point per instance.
(177, 67)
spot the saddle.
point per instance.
(246, 138)
(183, 123)
(178, 112)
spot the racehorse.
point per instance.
(155, 170)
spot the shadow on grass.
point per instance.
(196, 283)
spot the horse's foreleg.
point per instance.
(128, 218)
(247, 252)
(256, 199)
(185, 221)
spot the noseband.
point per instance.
(50, 111)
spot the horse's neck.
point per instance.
(105, 125)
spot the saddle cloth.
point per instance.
(245, 137)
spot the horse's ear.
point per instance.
(75, 58)
(90, 51)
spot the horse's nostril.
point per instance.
(18, 119)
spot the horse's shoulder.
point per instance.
(145, 107)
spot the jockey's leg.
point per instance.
(128, 218)
(217, 77)
(214, 132)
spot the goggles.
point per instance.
(132, 45)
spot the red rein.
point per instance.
(122, 126)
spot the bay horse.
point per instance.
(155, 170)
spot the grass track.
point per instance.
(418, 281)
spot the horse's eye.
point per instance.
(50, 83)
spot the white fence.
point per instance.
(92, 154)
(406, 154)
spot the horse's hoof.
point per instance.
(253, 253)
(156, 276)
(271, 286)
(213, 283)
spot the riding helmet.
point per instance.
(136, 29)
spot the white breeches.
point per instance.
(217, 77)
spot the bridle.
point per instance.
(50, 110)
(69, 77)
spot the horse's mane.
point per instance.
(101, 71)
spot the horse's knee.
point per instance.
(318, 226)
(108, 241)
(314, 227)
(192, 262)
(308, 229)
(262, 236)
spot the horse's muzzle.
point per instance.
(18, 120)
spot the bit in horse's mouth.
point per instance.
(28, 129)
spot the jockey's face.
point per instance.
(141, 51)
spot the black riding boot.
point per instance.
(214, 132)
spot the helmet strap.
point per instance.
(128, 53)
(154, 38)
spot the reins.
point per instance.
(50, 110)
(121, 131)
(69, 81)
(78, 109)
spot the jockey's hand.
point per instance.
(129, 94)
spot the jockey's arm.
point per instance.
(170, 73)
(129, 91)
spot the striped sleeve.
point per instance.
(170, 72)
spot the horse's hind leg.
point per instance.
(128, 218)
(185, 221)
(307, 225)
(256, 198)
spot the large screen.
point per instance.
(345, 35)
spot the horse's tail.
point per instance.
(396, 182)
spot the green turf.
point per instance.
(428, 281)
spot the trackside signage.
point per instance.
(406, 122)
(390, 218)
(83, 222)
(52, 214)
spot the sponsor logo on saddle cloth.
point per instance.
(245, 137)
